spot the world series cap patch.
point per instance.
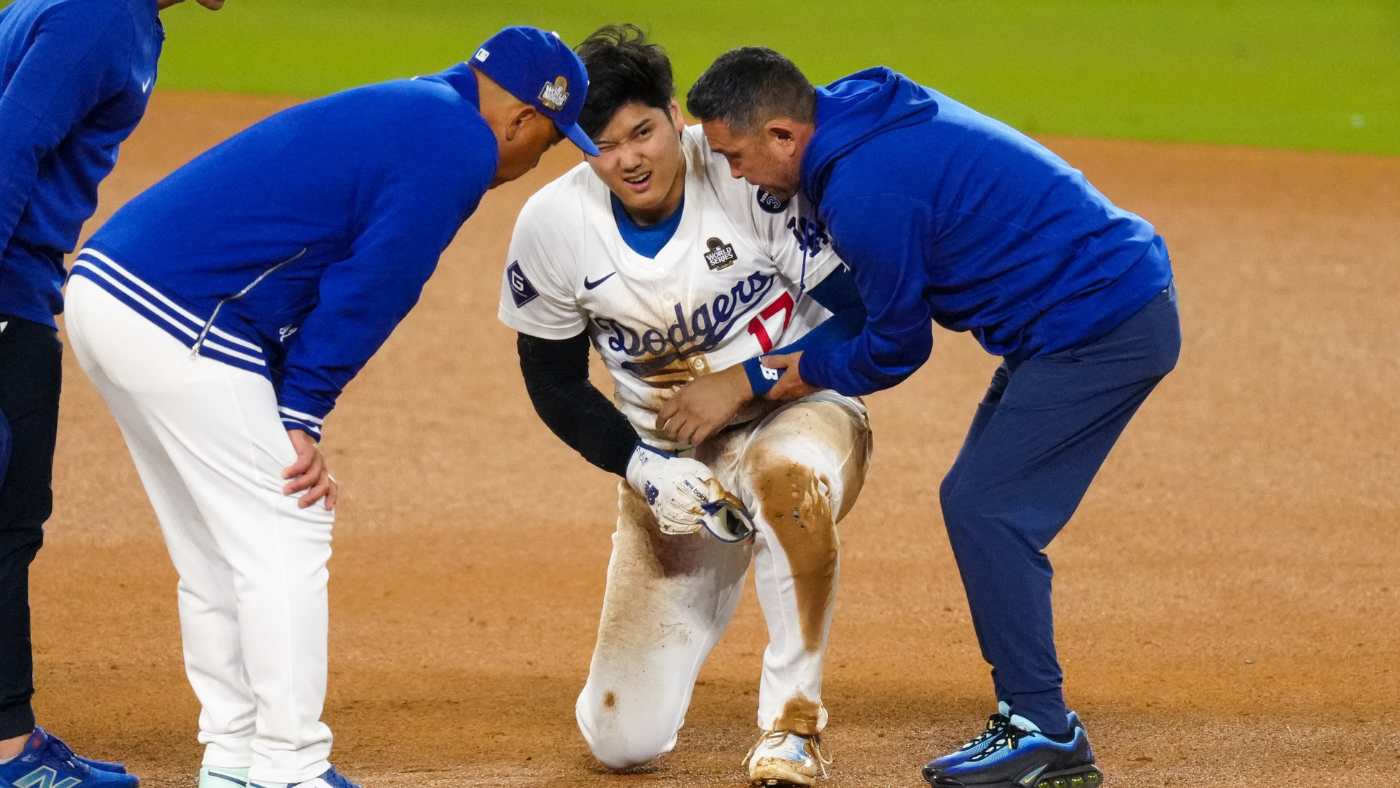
(521, 291)
(720, 256)
(555, 94)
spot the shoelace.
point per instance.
(1010, 736)
(995, 725)
(781, 736)
(63, 753)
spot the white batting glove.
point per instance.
(676, 488)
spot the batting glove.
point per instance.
(676, 488)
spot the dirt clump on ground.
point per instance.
(1227, 601)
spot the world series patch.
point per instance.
(720, 256)
(521, 291)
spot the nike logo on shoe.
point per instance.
(1030, 778)
(587, 285)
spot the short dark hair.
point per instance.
(623, 68)
(749, 86)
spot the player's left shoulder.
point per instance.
(745, 204)
(707, 166)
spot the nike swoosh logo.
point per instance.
(1030, 778)
(145, 86)
(587, 285)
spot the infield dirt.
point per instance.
(1227, 598)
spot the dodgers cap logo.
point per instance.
(536, 67)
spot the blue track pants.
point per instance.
(1040, 434)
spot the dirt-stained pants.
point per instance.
(669, 598)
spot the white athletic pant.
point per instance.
(210, 448)
(670, 598)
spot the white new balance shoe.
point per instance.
(223, 777)
(786, 758)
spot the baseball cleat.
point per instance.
(329, 779)
(1020, 756)
(47, 761)
(223, 777)
(786, 758)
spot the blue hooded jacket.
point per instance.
(75, 76)
(294, 248)
(945, 214)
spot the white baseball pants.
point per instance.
(670, 598)
(210, 449)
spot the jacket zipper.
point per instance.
(209, 324)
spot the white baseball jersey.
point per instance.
(723, 290)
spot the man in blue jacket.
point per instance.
(946, 215)
(75, 76)
(221, 312)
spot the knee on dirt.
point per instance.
(793, 499)
(623, 739)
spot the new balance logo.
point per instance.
(45, 777)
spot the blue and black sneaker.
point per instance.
(995, 724)
(46, 761)
(1020, 756)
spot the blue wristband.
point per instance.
(761, 378)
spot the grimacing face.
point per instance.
(640, 159)
(764, 158)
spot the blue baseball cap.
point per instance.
(536, 67)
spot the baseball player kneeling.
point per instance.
(677, 272)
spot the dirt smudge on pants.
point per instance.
(800, 715)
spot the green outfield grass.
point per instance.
(1310, 75)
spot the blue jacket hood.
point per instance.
(855, 108)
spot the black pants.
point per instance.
(31, 372)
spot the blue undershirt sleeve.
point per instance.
(840, 296)
(80, 57)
